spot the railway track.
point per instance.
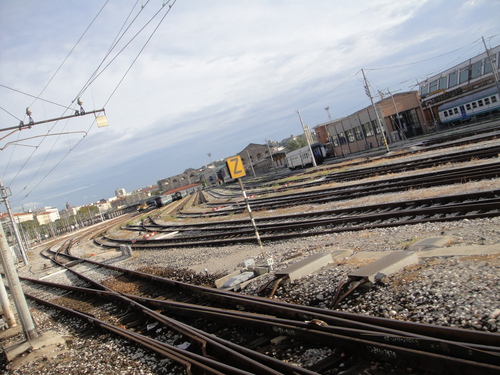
(363, 189)
(209, 331)
(339, 174)
(203, 330)
(455, 207)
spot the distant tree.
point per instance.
(296, 143)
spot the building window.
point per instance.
(350, 135)
(480, 102)
(358, 132)
(476, 69)
(468, 107)
(487, 66)
(342, 138)
(453, 79)
(474, 105)
(376, 127)
(424, 90)
(443, 82)
(486, 101)
(368, 129)
(493, 99)
(433, 86)
(455, 111)
(464, 75)
(335, 140)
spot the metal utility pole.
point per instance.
(307, 138)
(251, 163)
(382, 128)
(4, 302)
(15, 288)
(4, 193)
(271, 156)
(397, 114)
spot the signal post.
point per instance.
(237, 170)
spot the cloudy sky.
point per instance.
(200, 77)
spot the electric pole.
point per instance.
(307, 138)
(4, 193)
(15, 288)
(382, 128)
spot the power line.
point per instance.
(127, 44)
(118, 37)
(329, 92)
(33, 96)
(72, 49)
(142, 49)
(3, 109)
(45, 87)
(424, 60)
(113, 92)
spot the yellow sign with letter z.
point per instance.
(235, 167)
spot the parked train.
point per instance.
(163, 200)
(302, 157)
(179, 195)
(465, 108)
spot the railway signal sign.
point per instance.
(235, 167)
(237, 170)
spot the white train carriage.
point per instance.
(299, 158)
(476, 104)
(302, 157)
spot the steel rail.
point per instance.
(263, 222)
(405, 166)
(355, 223)
(395, 184)
(484, 340)
(467, 359)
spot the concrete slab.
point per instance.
(387, 265)
(11, 332)
(461, 251)
(48, 341)
(238, 279)
(220, 282)
(311, 264)
(367, 255)
(431, 243)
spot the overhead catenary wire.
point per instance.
(142, 49)
(47, 84)
(109, 98)
(118, 37)
(91, 80)
(32, 96)
(72, 49)
(96, 75)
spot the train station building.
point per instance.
(409, 114)
(396, 118)
(467, 78)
